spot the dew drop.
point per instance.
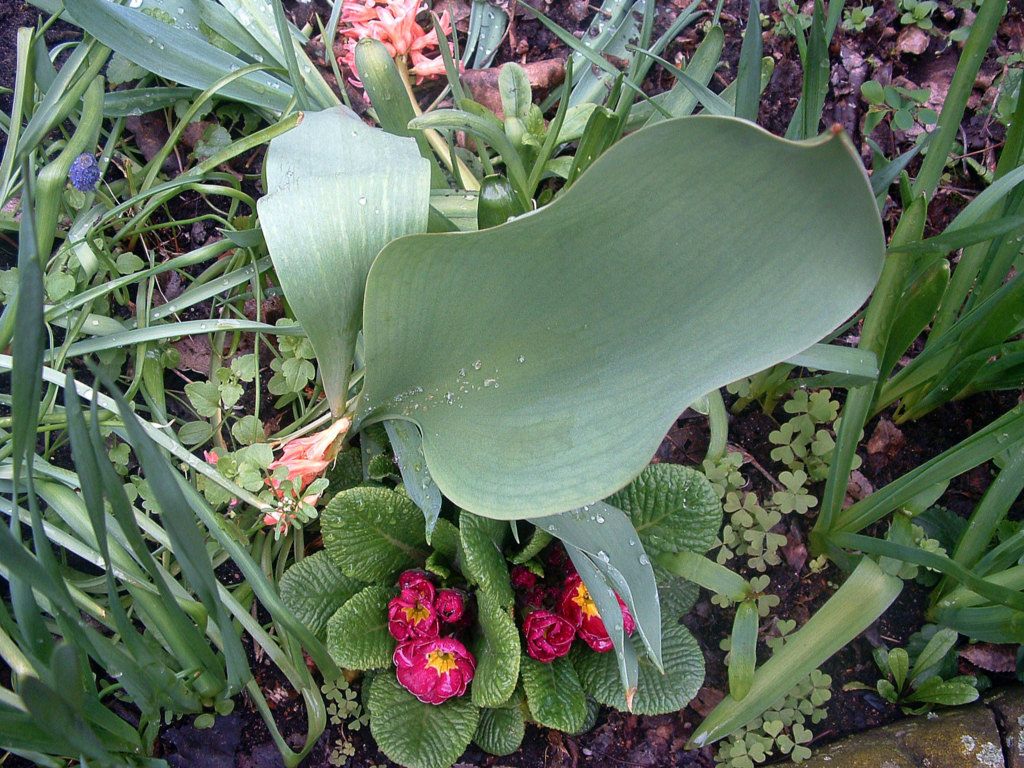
(644, 560)
(478, 365)
(362, 201)
(521, 359)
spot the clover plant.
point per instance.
(468, 636)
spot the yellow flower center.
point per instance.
(441, 661)
(582, 599)
(414, 614)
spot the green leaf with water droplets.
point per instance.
(314, 588)
(418, 735)
(483, 559)
(361, 187)
(656, 693)
(553, 693)
(536, 382)
(500, 731)
(497, 653)
(372, 534)
(357, 633)
(672, 507)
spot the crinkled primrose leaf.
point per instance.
(545, 358)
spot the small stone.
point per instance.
(913, 40)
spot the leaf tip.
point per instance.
(630, 693)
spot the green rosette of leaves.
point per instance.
(376, 547)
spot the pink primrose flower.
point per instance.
(434, 669)
(419, 582)
(411, 617)
(577, 607)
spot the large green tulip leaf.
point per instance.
(544, 359)
(338, 191)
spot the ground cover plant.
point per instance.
(343, 327)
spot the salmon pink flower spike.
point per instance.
(393, 23)
(307, 457)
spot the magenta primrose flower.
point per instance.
(411, 617)
(577, 607)
(523, 578)
(419, 582)
(434, 669)
(548, 636)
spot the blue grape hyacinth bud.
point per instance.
(84, 173)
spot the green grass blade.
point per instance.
(987, 589)
(748, 76)
(173, 331)
(990, 512)
(189, 547)
(979, 447)
(743, 650)
(979, 39)
(680, 101)
(175, 54)
(23, 86)
(862, 598)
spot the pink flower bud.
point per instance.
(419, 582)
(548, 636)
(450, 605)
(523, 578)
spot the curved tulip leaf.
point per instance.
(544, 359)
(339, 190)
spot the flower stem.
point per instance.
(437, 142)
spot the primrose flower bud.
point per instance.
(523, 578)
(434, 669)
(548, 636)
(450, 605)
